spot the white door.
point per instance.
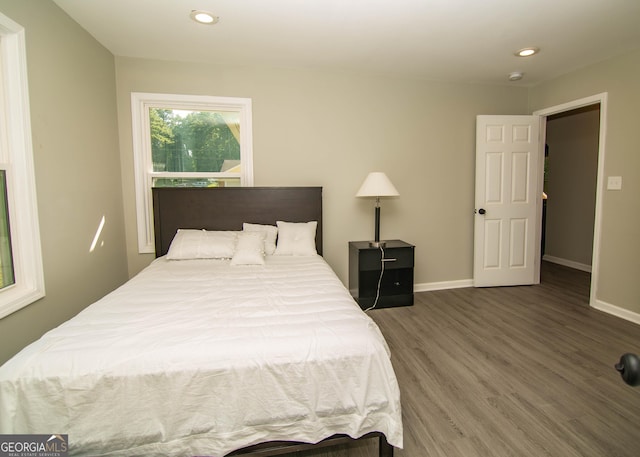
(508, 203)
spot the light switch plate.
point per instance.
(614, 183)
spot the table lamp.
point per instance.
(377, 185)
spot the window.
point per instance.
(7, 277)
(22, 278)
(187, 141)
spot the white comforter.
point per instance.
(198, 357)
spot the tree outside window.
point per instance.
(6, 255)
(193, 142)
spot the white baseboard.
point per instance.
(442, 285)
(616, 311)
(567, 263)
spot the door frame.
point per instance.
(597, 228)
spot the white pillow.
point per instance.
(296, 238)
(202, 244)
(271, 233)
(250, 249)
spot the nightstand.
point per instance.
(365, 266)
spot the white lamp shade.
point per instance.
(377, 185)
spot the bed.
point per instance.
(204, 356)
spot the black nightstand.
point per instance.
(365, 265)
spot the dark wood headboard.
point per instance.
(226, 208)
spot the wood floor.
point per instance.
(511, 371)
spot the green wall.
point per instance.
(77, 166)
(331, 129)
(619, 266)
(570, 184)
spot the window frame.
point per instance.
(141, 102)
(16, 156)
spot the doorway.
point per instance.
(573, 183)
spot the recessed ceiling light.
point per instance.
(204, 17)
(526, 52)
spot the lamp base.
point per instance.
(377, 244)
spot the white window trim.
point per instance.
(16, 154)
(140, 104)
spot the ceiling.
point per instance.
(458, 40)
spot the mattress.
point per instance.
(198, 357)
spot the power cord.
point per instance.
(375, 302)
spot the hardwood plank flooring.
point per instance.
(510, 371)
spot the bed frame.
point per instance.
(226, 208)
(286, 447)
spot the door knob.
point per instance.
(481, 211)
